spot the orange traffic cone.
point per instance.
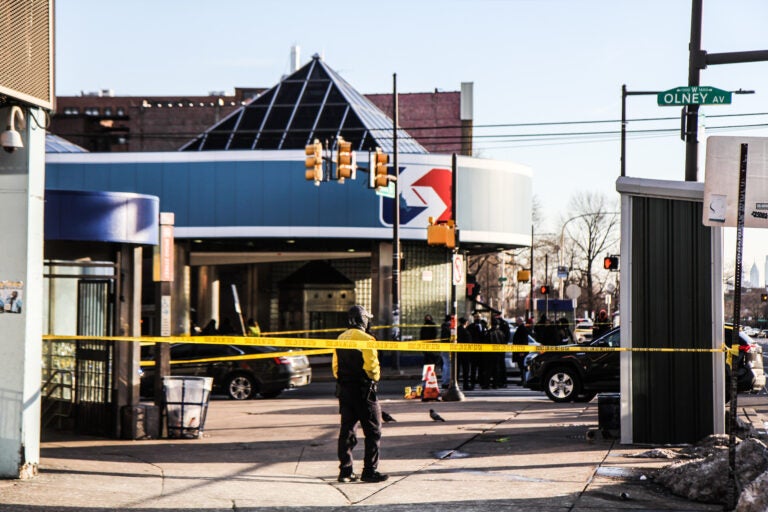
(431, 389)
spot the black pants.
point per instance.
(463, 368)
(358, 404)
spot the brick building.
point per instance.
(103, 122)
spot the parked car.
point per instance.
(579, 376)
(576, 376)
(233, 373)
(513, 358)
(583, 331)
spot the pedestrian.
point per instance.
(462, 336)
(252, 328)
(494, 361)
(357, 373)
(545, 332)
(564, 333)
(428, 332)
(210, 328)
(520, 338)
(602, 324)
(478, 333)
(445, 337)
(504, 326)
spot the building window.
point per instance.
(71, 111)
(107, 111)
(120, 111)
(91, 111)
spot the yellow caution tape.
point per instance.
(245, 357)
(403, 346)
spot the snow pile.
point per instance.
(754, 497)
(705, 479)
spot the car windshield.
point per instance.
(611, 339)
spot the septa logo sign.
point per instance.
(425, 192)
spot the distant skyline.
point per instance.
(547, 74)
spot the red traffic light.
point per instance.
(544, 289)
(611, 263)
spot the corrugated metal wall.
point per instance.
(671, 307)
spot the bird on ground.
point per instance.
(387, 417)
(435, 416)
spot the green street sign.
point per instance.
(696, 95)
(388, 191)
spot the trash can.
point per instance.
(609, 414)
(186, 405)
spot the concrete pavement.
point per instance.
(507, 449)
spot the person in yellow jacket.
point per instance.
(357, 373)
(253, 328)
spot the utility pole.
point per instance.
(699, 59)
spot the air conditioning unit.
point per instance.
(26, 73)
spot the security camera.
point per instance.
(10, 139)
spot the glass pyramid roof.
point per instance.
(312, 103)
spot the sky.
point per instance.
(531, 62)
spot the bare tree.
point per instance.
(588, 235)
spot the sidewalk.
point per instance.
(511, 450)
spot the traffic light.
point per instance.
(473, 287)
(345, 160)
(544, 289)
(441, 233)
(611, 262)
(379, 161)
(314, 162)
(764, 297)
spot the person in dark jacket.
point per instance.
(445, 357)
(520, 338)
(428, 332)
(545, 331)
(496, 372)
(478, 333)
(564, 333)
(357, 373)
(462, 336)
(602, 324)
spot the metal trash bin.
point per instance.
(186, 405)
(609, 414)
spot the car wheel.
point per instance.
(562, 385)
(271, 394)
(241, 387)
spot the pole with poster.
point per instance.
(724, 208)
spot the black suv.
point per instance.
(579, 376)
(234, 374)
(576, 376)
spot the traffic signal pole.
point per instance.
(453, 393)
(395, 230)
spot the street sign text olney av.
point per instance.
(695, 95)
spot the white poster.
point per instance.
(11, 296)
(721, 184)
